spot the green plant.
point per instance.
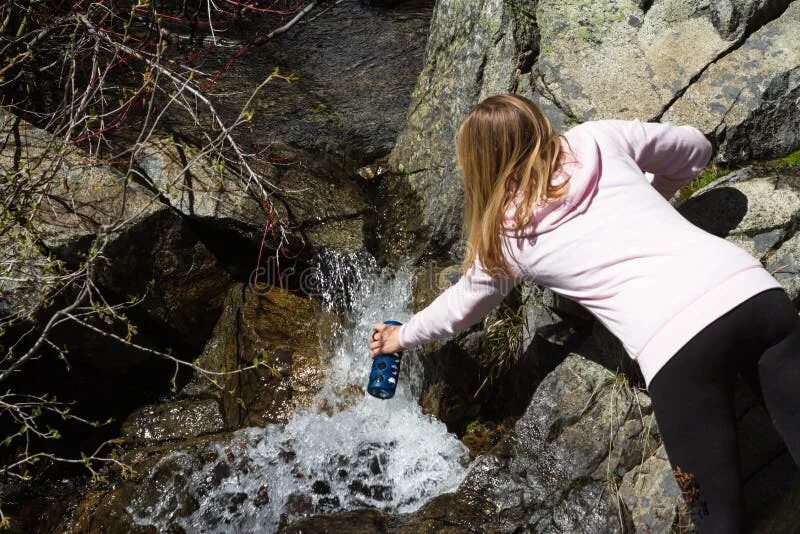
(708, 175)
(503, 338)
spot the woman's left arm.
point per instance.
(460, 306)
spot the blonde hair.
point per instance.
(507, 151)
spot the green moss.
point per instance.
(713, 171)
(708, 175)
(791, 159)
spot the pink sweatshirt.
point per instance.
(615, 245)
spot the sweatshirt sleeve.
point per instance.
(457, 308)
(672, 155)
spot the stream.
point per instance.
(348, 451)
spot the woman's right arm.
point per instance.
(673, 155)
(457, 308)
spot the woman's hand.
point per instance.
(385, 339)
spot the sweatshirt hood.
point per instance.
(584, 174)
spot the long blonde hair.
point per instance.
(507, 151)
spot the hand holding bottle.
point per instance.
(385, 339)
(385, 352)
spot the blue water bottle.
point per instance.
(385, 372)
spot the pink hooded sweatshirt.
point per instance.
(615, 245)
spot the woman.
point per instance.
(586, 214)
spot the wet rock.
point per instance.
(552, 473)
(553, 465)
(354, 67)
(158, 495)
(362, 521)
(276, 327)
(36, 508)
(748, 99)
(481, 436)
(321, 487)
(182, 284)
(564, 412)
(173, 421)
(299, 504)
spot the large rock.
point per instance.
(575, 59)
(353, 67)
(747, 100)
(182, 283)
(79, 195)
(149, 251)
(277, 328)
(758, 209)
(651, 494)
(319, 202)
(592, 52)
(471, 53)
(173, 421)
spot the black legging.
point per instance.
(693, 401)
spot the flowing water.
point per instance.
(350, 451)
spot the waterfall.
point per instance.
(348, 451)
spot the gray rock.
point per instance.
(592, 52)
(756, 208)
(322, 209)
(173, 421)
(193, 185)
(575, 60)
(82, 195)
(735, 18)
(356, 66)
(652, 495)
(472, 53)
(571, 426)
(748, 99)
(784, 265)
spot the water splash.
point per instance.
(350, 451)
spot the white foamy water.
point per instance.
(364, 452)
